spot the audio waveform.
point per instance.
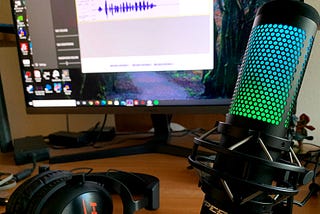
(125, 7)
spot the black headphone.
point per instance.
(65, 192)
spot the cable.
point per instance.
(102, 126)
(7, 28)
(18, 177)
(26, 172)
(6, 181)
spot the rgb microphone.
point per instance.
(255, 169)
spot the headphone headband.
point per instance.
(65, 192)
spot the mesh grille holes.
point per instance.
(270, 62)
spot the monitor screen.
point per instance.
(108, 56)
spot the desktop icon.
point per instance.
(17, 3)
(67, 88)
(20, 18)
(26, 62)
(55, 75)
(24, 48)
(30, 89)
(28, 76)
(57, 87)
(22, 33)
(48, 89)
(37, 75)
(65, 75)
(39, 90)
(46, 75)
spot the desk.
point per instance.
(179, 192)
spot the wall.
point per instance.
(309, 96)
(22, 124)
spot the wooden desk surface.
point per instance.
(179, 192)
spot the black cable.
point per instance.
(102, 126)
(97, 137)
(7, 28)
(21, 176)
(92, 132)
(104, 121)
(26, 172)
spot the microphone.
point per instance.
(254, 169)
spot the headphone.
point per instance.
(65, 192)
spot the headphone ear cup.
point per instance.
(79, 196)
(21, 201)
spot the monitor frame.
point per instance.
(160, 116)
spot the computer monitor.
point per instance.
(158, 56)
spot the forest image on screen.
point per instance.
(232, 26)
(231, 35)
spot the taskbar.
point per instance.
(126, 102)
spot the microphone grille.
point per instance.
(271, 73)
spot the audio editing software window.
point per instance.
(145, 35)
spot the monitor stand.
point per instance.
(158, 144)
